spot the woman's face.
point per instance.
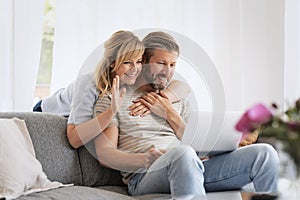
(129, 70)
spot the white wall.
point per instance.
(249, 50)
(292, 51)
(263, 51)
(227, 52)
(241, 38)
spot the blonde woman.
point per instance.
(120, 65)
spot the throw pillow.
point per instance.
(20, 172)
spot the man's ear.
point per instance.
(112, 65)
(144, 60)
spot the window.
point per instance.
(42, 88)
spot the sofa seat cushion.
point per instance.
(232, 195)
(118, 189)
(123, 190)
(76, 193)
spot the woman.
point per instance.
(121, 64)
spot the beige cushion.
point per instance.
(20, 172)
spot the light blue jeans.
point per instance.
(181, 173)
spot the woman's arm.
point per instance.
(110, 156)
(82, 133)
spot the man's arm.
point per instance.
(110, 156)
(177, 90)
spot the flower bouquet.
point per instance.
(282, 126)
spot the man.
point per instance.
(148, 151)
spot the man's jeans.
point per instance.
(181, 173)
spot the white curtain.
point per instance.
(240, 37)
(20, 39)
(75, 37)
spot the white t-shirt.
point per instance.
(76, 101)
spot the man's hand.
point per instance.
(159, 104)
(152, 155)
(250, 139)
(117, 96)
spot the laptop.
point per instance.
(212, 134)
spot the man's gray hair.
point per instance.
(159, 40)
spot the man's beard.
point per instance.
(153, 82)
(152, 79)
(156, 86)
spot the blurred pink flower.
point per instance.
(283, 126)
(253, 117)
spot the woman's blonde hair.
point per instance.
(121, 46)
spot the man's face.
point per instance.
(160, 69)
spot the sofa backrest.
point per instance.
(93, 174)
(59, 160)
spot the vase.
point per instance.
(289, 179)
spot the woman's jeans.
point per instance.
(181, 173)
(38, 107)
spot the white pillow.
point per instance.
(20, 172)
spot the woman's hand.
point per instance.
(117, 95)
(159, 104)
(137, 108)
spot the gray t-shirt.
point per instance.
(76, 101)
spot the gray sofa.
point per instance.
(65, 164)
